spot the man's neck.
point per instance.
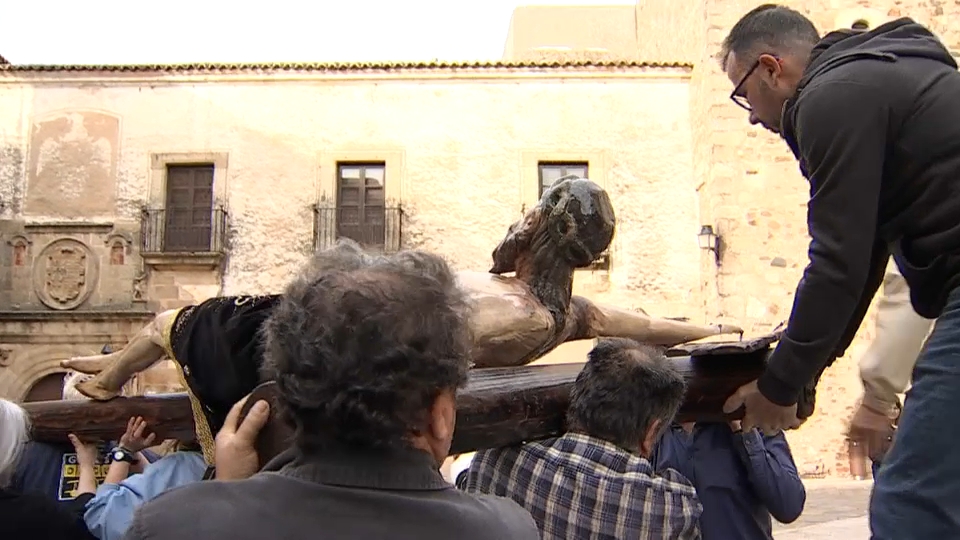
(551, 283)
(421, 443)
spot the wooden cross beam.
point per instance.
(499, 406)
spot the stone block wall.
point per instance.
(176, 288)
(751, 190)
(67, 265)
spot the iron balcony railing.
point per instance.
(375, 228)
(166, 230)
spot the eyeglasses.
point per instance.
(737, 98)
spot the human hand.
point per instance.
(735, 426)
(235, 456)
(86, 452)
(133, 439)
(874, 430)
(761, 413)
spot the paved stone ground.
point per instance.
(834, 509)
(846, 529)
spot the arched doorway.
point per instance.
(49, 388)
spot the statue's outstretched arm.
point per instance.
(115, 369)
(597, 320)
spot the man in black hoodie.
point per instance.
(874, 120)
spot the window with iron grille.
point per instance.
(188, 219)
(361, 204)
(550, 172)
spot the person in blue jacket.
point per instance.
(742, 478)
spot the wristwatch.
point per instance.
(120, 453)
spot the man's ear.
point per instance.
(650, 438)
(770, 64)
(443, 416)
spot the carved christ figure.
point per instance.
(515, 318)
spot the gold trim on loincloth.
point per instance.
(201, 426)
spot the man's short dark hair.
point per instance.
(769, 28)
(361, 345)
(622, 390)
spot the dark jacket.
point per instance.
(875, 125)
(337, 495)
(741, 478)
(29, 516)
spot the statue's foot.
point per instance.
(91, 365)
(94, 389)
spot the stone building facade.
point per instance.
(128, 190)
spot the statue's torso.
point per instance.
(508, 322)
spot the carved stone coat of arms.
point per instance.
(66, 273)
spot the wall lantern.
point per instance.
(709, 241)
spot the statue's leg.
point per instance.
(115, 369)
(608, 321)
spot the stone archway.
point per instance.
(47, 388)
(30, 364)
(39, 341)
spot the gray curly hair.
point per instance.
(14, 436)
(361, 345)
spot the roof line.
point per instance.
(341, 66)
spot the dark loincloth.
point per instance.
(218, 347)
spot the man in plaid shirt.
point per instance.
(596, 481)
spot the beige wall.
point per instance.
(461, 147)
(667, 30)
(650, 31)
(609, 30)
(461, 150)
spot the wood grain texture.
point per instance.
(499, 406)
(169, 415)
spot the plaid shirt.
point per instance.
(579, 487)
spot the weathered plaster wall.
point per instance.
(608, 29)
(12, 149)
(71, 167)
(461, 158)
(665, 30)
(461, 155)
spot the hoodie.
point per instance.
(875, 126)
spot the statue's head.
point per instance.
(573, 221)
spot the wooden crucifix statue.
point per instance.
(515, 318)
